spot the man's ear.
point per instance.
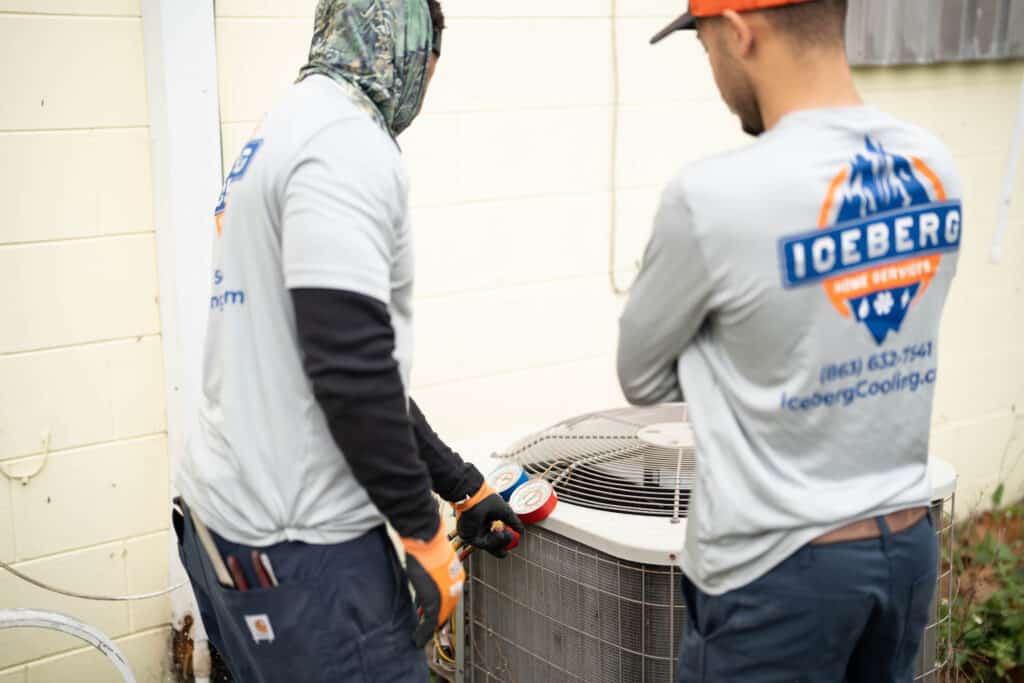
(738, 33)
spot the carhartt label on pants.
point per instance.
(260, 628)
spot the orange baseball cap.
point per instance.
(712, 8)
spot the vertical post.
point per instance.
(462, 636)
(181, 77)
(1009, 180)
(676, 519)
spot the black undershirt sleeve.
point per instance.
(348, 344)
(453, 479)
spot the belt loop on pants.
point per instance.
(807, 556)
(883, 528)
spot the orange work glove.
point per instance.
(476, 517)
(437, 577)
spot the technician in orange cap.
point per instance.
(793, 289)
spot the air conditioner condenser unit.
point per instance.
(593, 593)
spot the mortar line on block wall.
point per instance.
(20, 571)
(6, 485)
(512, 198)
(9, 246)
(869, 89)
(59, 452)
(499, 109)
(627, 187)
(503, 19)
(506, 373)
(83, 238)
(1017, 457)
(63, 650)
(428, 296)
(146, 535)
(126, 578)
(625, 105)
(508, 198)
(569, 194)
(975, 420)
(83, 129)
(78, 345)
(522, 284)
(118, 640)
(69, 15)
(25, 564)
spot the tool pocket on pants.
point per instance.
(283, 634)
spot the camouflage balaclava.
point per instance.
(378, 51)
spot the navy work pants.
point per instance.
(340, 612)
(846, 612)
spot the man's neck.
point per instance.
(812, 82)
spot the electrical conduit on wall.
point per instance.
(33, 618)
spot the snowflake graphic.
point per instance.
(884, 303)
(883, 312)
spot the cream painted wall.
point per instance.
(80, 347)
(978, 420)
(511, 186)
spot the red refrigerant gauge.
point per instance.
(534, 501)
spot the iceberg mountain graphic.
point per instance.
(878, 182)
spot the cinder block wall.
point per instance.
(80, 347)
(511, 166)
(978, 422)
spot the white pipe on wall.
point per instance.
(181, 77)
(55, 621)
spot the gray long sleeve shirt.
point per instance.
(792, 291)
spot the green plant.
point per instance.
(986, 617)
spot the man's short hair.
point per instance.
(437, 19)
(819, 23)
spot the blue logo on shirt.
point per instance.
(896, 235)
(883, 228)
(238, 172)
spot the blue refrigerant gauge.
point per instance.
(507, 478)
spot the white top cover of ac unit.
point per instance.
(635, 538)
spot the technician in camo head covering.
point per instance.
(308, 441)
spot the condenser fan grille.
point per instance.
(634, 461)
